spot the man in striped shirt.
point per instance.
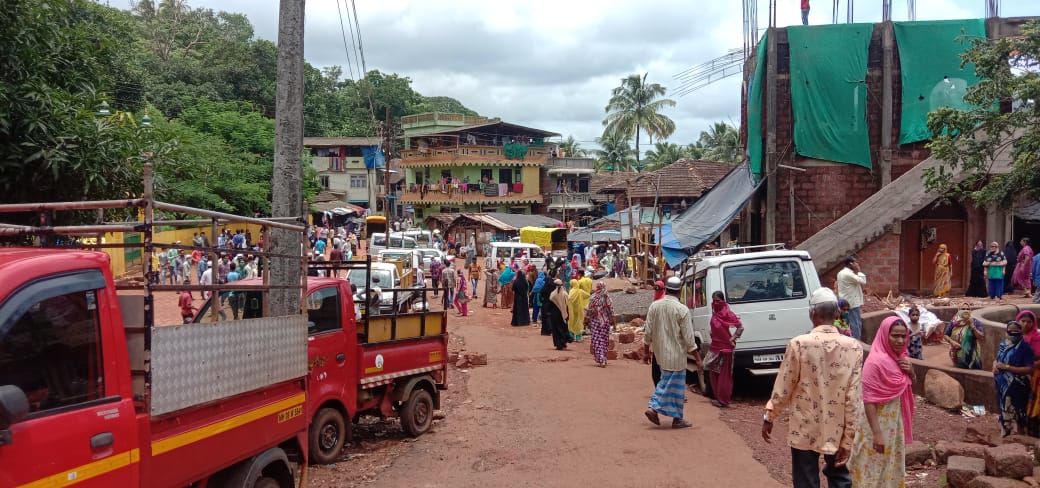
(669, 329)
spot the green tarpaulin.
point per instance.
(754, 108)
(930, 64)
(829, 91)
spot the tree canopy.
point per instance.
(635, 106)
(201, 75)
(968, 141)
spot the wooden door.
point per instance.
(946, 232)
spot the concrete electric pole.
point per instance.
(287, 178)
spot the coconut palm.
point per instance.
(665, 153)
(634, 107)
(572, 149)
(614, 154)
(721, 142)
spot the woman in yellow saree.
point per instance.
(943, 272)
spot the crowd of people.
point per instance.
(996, 271)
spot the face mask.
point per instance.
(1015, 337)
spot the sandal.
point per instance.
(651, 415)
(719, 404)
(680, 424)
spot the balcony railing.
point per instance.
(574, 200)
(561, 165)
(437, 118)
(491, 153)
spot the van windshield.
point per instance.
(380, 278)
(781, 280)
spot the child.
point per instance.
(842, 322)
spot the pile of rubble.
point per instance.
(465, 359)
(626, 340)
(978, 462)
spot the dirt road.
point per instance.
(535, 416)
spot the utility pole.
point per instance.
(287, 178)
(388, 140)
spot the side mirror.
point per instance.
(14, 405)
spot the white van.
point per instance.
(507, 251)
(378, 242)
(423, 238)
(768, 290)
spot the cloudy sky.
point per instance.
(552, 64)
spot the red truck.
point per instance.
(384, 362)
(90, 396)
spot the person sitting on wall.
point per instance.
(963, 334)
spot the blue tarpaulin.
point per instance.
(708, 216)
(373, 157)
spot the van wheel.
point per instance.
(328, 433)
(417, 414)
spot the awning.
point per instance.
(541, 236)
(708, 216)
(337, 207)
(586, 235)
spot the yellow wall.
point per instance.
(532, 181)
(124, 259)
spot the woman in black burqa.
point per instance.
(521, 309)
(544, 295)
(977, 278)
(555, 309)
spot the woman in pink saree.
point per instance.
(1024, 268)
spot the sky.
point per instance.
(552, 64)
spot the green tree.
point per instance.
(721, 142)
(967, 141)
(665, 153)
(635, 106)
(614, 153)
(572, 148)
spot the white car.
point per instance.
(428, 255)
(768, 290)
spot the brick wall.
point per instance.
(879, 260)
(823, 193)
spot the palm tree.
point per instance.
(614, 153)
(696, 150)
(665, 153)
(572, 149)
(634, 106)
(721, 142)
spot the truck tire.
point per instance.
(417, 414)
(328, 433)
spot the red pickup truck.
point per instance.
(383, 363)
(90, 396)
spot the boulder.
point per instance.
(918, 452)
(994, 482)
(637, 322)
(1009, 461)
(1029, 441)
(477, 359)
(941, 390)
(631, 290)
(1031, 481)
(961, 470)
(626, 337)
(973, 436)
(945, 449)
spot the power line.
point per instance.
(364, 66)
(361, 46)
(343, 33)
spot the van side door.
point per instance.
(58, 347)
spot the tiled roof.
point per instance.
(327, 196)
(600, 181)
(683, 178)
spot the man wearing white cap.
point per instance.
(669, 329)
(820, 379)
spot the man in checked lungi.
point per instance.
(669, 329)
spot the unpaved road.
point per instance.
(539, 417)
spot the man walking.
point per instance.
(448, 283)
(805, 12)
(820, 379)
(669, 329)
(850, 287)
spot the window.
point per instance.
(534, 252)
(324, 182)
(486, 175)
(781, 280)
(359, 181)
(323, 310)
(53, 352)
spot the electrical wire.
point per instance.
(343, 33)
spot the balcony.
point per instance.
(571, 166)
(467, 155)
(575, 201)
(440, 119)
(320, 163)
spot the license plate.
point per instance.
(767, 358)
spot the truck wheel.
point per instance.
(417, 414)
(266, 482)
(328, 433)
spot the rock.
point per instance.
(1009, 461)
(993, 482)
(942, 390)
(453, 357)
(629, 355)
(610, 346)
(1025, 440)
(1031, 481)
(918, 452)
(637, 322)
(961, 470)
(974, 436)
(631, 290)
(612, 355)
(945, 449)
(477, 359)
(463, 363)
(626, 337)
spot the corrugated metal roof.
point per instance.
(508, 222)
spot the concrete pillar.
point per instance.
(887, 65)
(771, 154)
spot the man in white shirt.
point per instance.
(669, 329)
(850, 287)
